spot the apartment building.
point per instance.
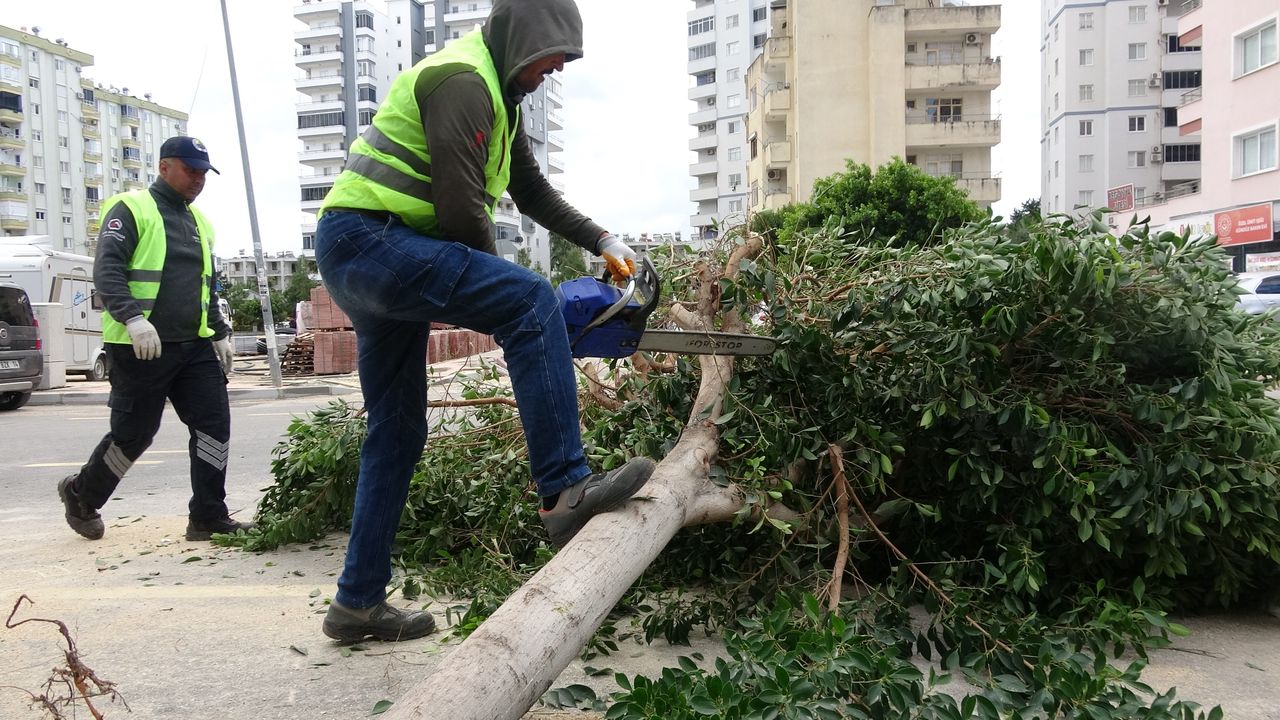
(869, 80)
(1236, 116)
(278, 267)
(1114, 76)
(66, 142)
(724, 37)
(347, 57)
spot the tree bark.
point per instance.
(502, 669)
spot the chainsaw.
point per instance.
(605, 321)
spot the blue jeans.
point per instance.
(392, 283)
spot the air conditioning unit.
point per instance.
(774, 174)
(1157, 154)
(972, 39)
(1154, 81)
(1162, 2)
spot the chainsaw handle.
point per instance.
(645, 279)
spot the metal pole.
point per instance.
(264, 290)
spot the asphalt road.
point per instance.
(191, 631)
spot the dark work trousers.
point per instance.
(190, 376)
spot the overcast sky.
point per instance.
(626, 104)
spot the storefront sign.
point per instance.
(1120, 198)
(1246, 225)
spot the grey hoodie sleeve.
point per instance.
(457, 115)
(116, 242)
(536, 198)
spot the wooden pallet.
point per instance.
(299, 356)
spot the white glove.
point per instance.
(618, 258)
(223, 349)
(146, 341)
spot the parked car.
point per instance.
(1261, 291)
(21, 357)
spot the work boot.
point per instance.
(592, 495)
(205, 529)
(380, 622)
(83, 519)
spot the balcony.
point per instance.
(702, 65)
(131, 142)
(132, 184)
(319, 81)
(708, 167)
(130, 116)
(12, 168)
(699, 194)
(981, 188)
(707, 115)
(318, 106)
(470, 17)
(94, 179)
(699, 92)
(777, 102)
(132, 163)
(12, 140)
(977, 132)
(555, 143)
(12, 193)
(555, 165)
(10, 114)
(93, 155)
(11, 59)
(1180, 171)
(320, 178)
(331, 155)
(554, 120)
(90, 129)
(317, 8)
(953, 19)
(777, 50)
(959, 76)
(506, 213)
(702, 220)
(703, 142)
(89, 110)
(776, 197)
(308, 57)
(777, 153)
(11, 84)
(13, 222)
(321, 31)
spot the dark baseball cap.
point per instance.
(189, 150)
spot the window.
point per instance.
(64, 167)
(364, 20)
(367, 92)
(733, 75)
(1086, 56)
(1171, 117)
(697, 27)
(702, 51)
(1137, 88)
(1055, 67)
(39, 214)
(64, 141)
(1182, 79)
(1255, 151)
(34, 82)
(733, 101)
(66, 194)
(37, 160)
(1086, 163)
(705, 78)
(313, 194)
(364, 67)
(758, 14)
(733, 126)
(1056, 28)
(59, 64)
(1086, 21)
(735, 206)
(1086, 93)
(1256, 48)
(758, 40)
(39, 188)
(66, 219)
(1174, 46)
(1137, 158)
(1137, 51)
(1137, 13)
(1182, 153)
(735, 179)
(1056, 168)
(1055, 101)
(1137, 123)
(735, 153)
(731, 21)
(732, 48)
(365, 117)
(37, 135)
(1055, 135)
(320, 119)
(944, 109)
(1086, 198)
(1086, 128)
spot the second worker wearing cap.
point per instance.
(165, 339)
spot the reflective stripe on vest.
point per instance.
(389, 166)
(146, 267)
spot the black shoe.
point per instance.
(205, 529)
(593, 495)
(380, 622)
(84, 520)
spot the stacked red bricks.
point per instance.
(335, 341)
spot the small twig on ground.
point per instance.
(76, 676)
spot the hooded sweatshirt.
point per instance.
(458, 111)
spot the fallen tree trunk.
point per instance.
(502, 669)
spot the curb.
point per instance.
(99, 397)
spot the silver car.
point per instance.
(1261, 291)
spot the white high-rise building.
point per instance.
(68, 143)
(1114, 75)
(348, 55)
(724, 37)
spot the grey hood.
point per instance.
(521, 31)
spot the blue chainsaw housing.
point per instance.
(583, 300)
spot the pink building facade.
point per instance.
(1236, 111)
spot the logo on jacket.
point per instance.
(114, 224)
